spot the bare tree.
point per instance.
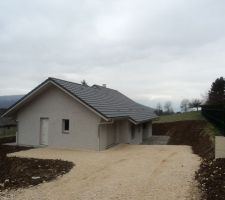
(159, 110)
(195, 103)
(184, 105)
(168, 107)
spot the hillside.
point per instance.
(7, 101)
(180, 117)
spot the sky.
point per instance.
(152, 51)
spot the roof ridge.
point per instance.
(104, 87)
(52, 78)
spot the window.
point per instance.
(65, 126)
(132, 131)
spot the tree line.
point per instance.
(215, 96)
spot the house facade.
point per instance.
(63, 114)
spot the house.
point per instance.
(64, 114)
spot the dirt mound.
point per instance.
(190, 132)
(25, 172)
(22, 172)
(10, 149)
(211, 177)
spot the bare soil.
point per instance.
(25, 172)
(191, 132)
(211, 177)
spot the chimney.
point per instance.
(104, 85)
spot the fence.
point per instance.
(215, 114)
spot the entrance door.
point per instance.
(44, 131)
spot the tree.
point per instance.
(84, 83)
(217, 92)
(159, 110)
(168, 107)
(184, 105)
(195, 103)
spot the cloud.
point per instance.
(150, 50)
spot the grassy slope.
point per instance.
(180, 117)
(209, 129)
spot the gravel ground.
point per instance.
(134, 172)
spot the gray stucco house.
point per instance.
(64, 114)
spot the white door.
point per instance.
(44, 131)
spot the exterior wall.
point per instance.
(105, 131)
(220, 147)
(138, 135)
(147, 130)
(56, 105)
(122, 129)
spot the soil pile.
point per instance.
(5, 149)
(25, 172)
(191, 132)
(211, 177)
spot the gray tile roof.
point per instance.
(108, 102)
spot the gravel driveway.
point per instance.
(134, 172)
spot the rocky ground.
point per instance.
(211, 177)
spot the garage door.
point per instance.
(111, 136)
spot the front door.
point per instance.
(44, 131)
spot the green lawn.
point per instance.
(180, 117)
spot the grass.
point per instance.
(194, 115)
(210, 129)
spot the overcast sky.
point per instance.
(152, 51)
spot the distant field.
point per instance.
(180, 117)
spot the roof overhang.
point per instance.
(40, 88)
(133, 121)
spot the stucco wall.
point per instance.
(122, 129)
(56, 105)
(147, 131)
(220, 147)
(138, 135)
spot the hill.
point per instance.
(7, 101)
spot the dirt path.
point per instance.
(134, 172)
